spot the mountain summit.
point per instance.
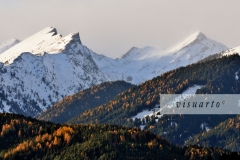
(47, 40)
(197, 36)
(44, 68)
(140, 53)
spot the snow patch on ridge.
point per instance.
(154, 111)
(231, 51)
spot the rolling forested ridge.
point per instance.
(92, 97)
(27, 138)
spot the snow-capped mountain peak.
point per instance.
(35, 44)
(125, 55)
(141, 53)
(44, 68)
(45, 41)
(197, 37)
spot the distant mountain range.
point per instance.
(141, 64)
(42, 69)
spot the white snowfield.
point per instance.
(42, 69)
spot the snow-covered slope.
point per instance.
(8, 44)
(141, 64)
(46, 40)
(42, 69)
(231, 51)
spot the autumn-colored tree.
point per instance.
(67, 138)
(45, 137)
(19, 133)
(57, 141)
(38, 138)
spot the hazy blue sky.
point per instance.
(112, 27)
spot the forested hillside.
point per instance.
(71, 106)
(225, 135)
(28, 138)
(218, 77)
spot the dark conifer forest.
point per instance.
(27, 138)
